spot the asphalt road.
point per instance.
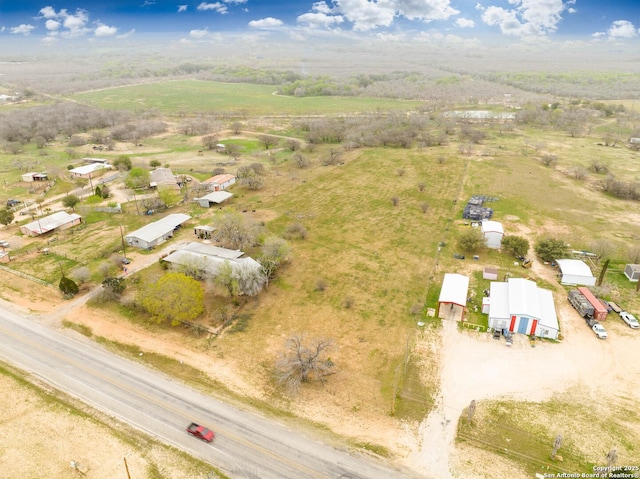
(246, 446)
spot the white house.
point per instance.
(57, 221)
(216, 197)
(521, 307)
(492, 232)
(218, 182)
(209, 259)
(157, 232)
(453, 297)
(632, 272)
(575, 272)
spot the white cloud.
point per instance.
(527, 17)
(464, 23)
(182, 8)
(268, 22)
(217, 7)
(369, 14)
(22, 29)
(48, 12)
(622, 29)
(320, 19)
(198, 33)
(52, 25)
(127, 34)
(105, 31)
(235, 2)
(49, 40)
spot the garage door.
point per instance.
(522, 326)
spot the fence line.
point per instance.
(27, 276)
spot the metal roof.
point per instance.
(211, 250)
(216, 197)
(51, 222)
(157, 229)
(86, 169)
(574, 267)
(454, 289)
(491, 226)
(208, 262)
(219, 179)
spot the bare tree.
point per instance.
(401, 171)
(301, 160)
(236, 231)
(236, 127)
(395, 200)
(578, 172)
(549, 159)
(598, 166)
(633, 254)
(421, 186)
(602, 248)
(302, 363)
(267, 141)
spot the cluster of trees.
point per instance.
(629, 190)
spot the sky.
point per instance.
(67, 21)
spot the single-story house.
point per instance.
(57, 221)
(89, 171)
(216, 197)
(218, 182)
(521, 307)
(204, 231)
(492, 232)
(208, 258)
(163, 178)
(30, 177)
(632, 272)
(575, 272)
(157, 232)
(453, 296)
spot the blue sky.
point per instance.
(552, 20)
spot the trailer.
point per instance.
(615, 307)
(580, 303)
(599, 311)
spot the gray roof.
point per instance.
(209, 258)
(87, 169)
(159, 228)
(216, 197)
(162, 176)
(51, 222)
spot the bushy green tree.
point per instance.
(68, 286)
(6, 216)
(174, 298)
(115, 285)
(549, 249)
(137, 178)
(70, 201)
(516, 245)
(123, 162)
(471, 240)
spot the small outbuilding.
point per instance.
(214, 198)
(157, 232)
(632, 272)
(492, 232)
(575, 272)
(57, 221)
(204, 231)
(490, 273)
(452, 302)
(32, 176)
(89, 171)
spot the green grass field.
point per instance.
(242, 99)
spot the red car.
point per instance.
(201, 432)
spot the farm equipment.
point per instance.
(527, 263)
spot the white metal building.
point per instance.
(157, 232)
(452, 302)
(521, 307)
(492, 232)
(632, 272)
(56, 221)
(216, 197)
(209, 259)
(575, 272)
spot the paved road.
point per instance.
(246, 446)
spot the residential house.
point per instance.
(161, 178)
(157, 232)
(208, 258)
(57, 221)
(218, 182)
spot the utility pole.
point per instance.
(126, 466)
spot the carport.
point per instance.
(453, 297)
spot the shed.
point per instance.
(490, 273)
(57, 221)
(157, 232)
(492, 232)
(575, 272)
(204, 231)
(632, 272)
(453, 296)
(521, 307)
(216, 197)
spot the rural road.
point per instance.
(246, 445)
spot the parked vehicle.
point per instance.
(200, 432)
(126, 261)
(4, 244)
(496, 334)
(630, 319)
(597, 328)
(527, 263)
(615, 307)
(12, 202)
